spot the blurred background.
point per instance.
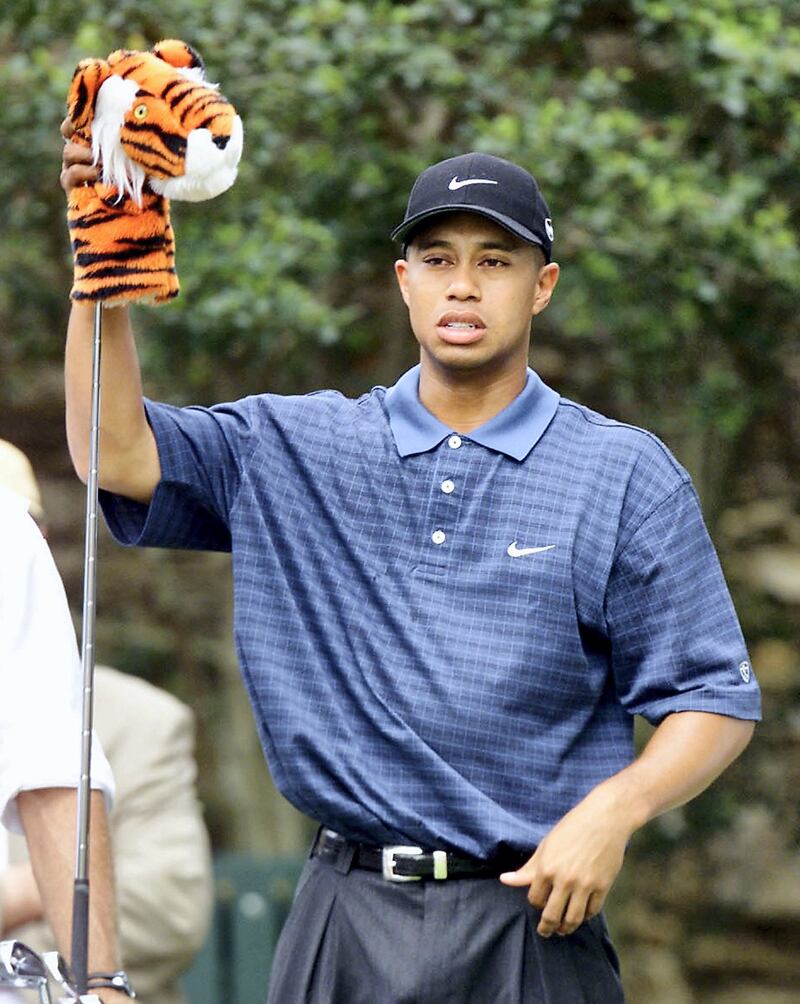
(666, 137)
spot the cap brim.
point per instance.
(405, 228)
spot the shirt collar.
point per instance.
(514, 431)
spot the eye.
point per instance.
(140, 113)
(494, 262)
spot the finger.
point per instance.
(553, 912)
(539, 892)
(595, 904)
(78, 174)
(76, 153)
(523, 876)
(67, 128)
(575, 914)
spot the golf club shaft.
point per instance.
(80, 903)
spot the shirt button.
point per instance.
(438, 537)
(454, 442)
(448, 487)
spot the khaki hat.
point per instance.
(17, 475)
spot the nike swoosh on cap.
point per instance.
(455, 184)
(520, 552)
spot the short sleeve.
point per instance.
(200, 452)
(676, 643)
(40, 714)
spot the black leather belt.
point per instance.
(402, 863)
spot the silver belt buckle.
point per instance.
(389, 863)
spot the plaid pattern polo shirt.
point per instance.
(444, 636)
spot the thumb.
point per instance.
(522, 876)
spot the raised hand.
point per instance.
(77, 167)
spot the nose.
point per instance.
(220, 141)
(463, 285)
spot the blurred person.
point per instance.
(16, 475)
(40, 729)
(159, 840)
(451, 598)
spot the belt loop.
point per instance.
(312, 850)
(344, 857)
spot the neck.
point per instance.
(464, 401)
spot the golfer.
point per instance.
(40, 741)
(451, 598)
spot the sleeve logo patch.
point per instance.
(744, 671)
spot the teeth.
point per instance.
(460, 324)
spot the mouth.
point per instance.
(458, 328)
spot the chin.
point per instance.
(461, 358)
(468, 360)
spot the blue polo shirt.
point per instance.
(445, 637)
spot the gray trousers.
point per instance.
(354, 938)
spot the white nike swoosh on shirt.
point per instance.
(455, 184)
(520, 552)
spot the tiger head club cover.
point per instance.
(158, 130)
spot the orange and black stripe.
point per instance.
(124, 251)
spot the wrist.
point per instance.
(623, 802)
(104, 996)
(111, 986)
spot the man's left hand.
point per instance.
(575, 865)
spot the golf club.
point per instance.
(59, 971)
(80, 902)
(23, 969)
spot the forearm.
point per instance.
(685, 754)
(576, 863)
(128, 455)
(48, 817)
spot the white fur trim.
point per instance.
(114, 99)
(198, 75)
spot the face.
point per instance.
(472, 289)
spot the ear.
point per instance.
(548, 277)
(89, 75)
(179, 54)
(401, 273)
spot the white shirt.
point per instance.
(40, 672)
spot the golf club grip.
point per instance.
(80, 934)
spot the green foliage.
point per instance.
(665, 134)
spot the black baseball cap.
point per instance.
(486, 185)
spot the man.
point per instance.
(160, 845)
(40, 742)
(452, 596)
